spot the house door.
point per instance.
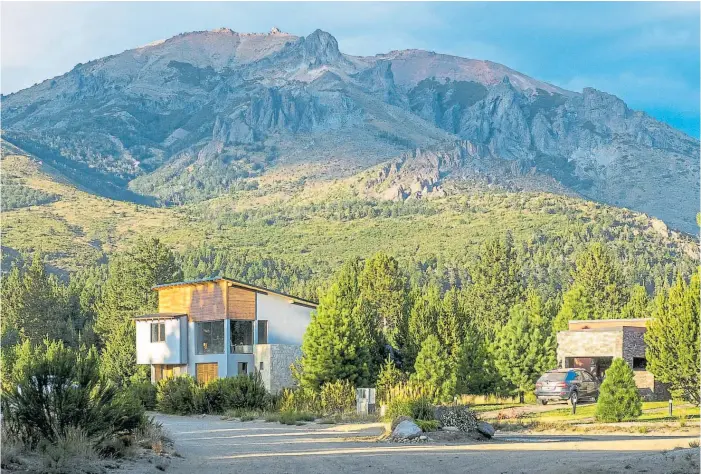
(207, 372)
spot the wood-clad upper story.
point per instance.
(215, 299)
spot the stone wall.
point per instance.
(633, 343)
(587, 343)
(281, 357)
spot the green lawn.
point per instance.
(652, 411)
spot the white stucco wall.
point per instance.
(171, 351)
(286, 322)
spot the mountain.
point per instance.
(210, 113)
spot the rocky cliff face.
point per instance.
(192, 116)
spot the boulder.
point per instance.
(485, 429)
(407, 429)
(398, 420)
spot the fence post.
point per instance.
(670, 407)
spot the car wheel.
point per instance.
(574, 397)
(542, 402)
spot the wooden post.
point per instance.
(670, 407)
(574, 408)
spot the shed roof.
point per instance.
(258, 289)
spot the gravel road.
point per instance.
(209, 444)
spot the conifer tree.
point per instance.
(476, 373)
(597, 291)
(672, 338)
(496, 284)
(389, 377)
(128, 289)
(384, 299)
(337, 344)
(525, 348)
(423, 319)
(638, 305)
(435, 369)
(618, 396)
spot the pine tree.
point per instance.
(118, 361)
(597, 291)
(389, 377)
(384, 298)
(435, 369)
(496, 284)
(338, 344)
(423, 319)
(128, 289)
(672, 339)
(35, 306)
(476, 373)
(525, 348)
(618, 396)
(638, 305)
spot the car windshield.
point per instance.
(554, 377)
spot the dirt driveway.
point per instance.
(210, 445)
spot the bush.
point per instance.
(56, 390)
(179, 396)
(71, 449)
(145, 392)
(337, 397)
(427, 425)
(459, 416)
(618, 396)
(243, 392)
(300, 399)
(417, 409)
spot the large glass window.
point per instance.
(158, 332)
(262, 331)
(209, 337)
(241, 337)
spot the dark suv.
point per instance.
(571, 385)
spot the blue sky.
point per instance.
(645, 53)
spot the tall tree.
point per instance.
(131, 275)
(672, 338)
(476, 373)
(35, 306)
(423, 319)
(384, 298)
(435, 369)
(525, 347)
(638, 305)
(336, 344)
(597, 291)
(496, 284)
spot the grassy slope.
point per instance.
(78, 228)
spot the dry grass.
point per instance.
(73, 451)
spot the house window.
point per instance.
(261, 366)
(209, 337)
(243, 368)
(158, 332)
(241, 337)
(639, 363)
(262, 331)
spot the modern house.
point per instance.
(219, 327)
(593, 344)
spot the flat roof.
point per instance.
(619, 320)
(259, 289)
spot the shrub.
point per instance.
(618, 396)
(390, 376)
(459, 416)
(145, 392)
(243, 392)
(300, 399)
(55, 389)
(337, 397)
(428, 425)
(412, 400)
(179, 395)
